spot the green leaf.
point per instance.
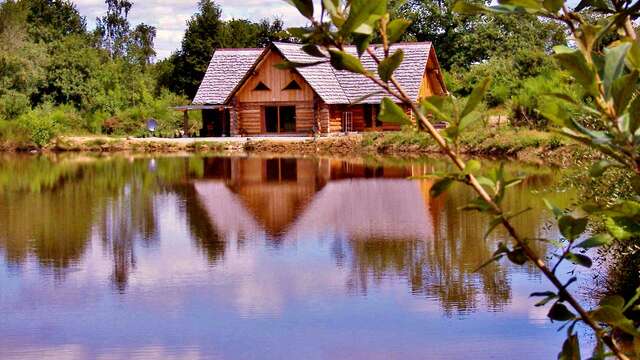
(557, 212)
(469, 119)
(634, 115)
(440, 186)
(391, 112)
(614, 64)
(331, 6)
(624, 208)
(622, 90)
(477, 94)
(596, 241)
(575, 63)
(553, 5)
(436, 106)
(526, 4)
(622, 228)
(286, 65)
(570, 348)
(579, 259)
(313, 50)
(362, 42)
(548, 296)
(633, 57)
(571, 227)
(614, 317)
(361, 11)
(560, 312)
(305, 7)
(389, 64)
(340, 60)
(396, 28)
(485, 181)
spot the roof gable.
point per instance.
(265, 71)
(225, 72)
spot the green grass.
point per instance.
(479, 140)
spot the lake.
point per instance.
(192, 257)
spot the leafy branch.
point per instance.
(609, 79)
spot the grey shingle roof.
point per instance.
(409, 74)
(228, 68)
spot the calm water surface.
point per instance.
(258, 258)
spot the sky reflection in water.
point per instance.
(254, 258)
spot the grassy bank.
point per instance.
(521, 144)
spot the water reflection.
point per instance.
(358, 226)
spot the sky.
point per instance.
(170, 16)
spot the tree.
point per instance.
(463, 40)
(51, 20)
(140, 49)
(113, 28)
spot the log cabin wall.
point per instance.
(252, 96)
(358, 115)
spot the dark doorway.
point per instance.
(280, 119)
(215, 123)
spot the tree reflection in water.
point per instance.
(381, 225)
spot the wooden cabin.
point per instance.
(244, 94)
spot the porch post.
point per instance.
(185, 124)
(233, 118)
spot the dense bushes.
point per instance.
(519, 83)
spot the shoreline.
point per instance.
(518, 146)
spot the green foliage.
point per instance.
(46, 122)
(607, 78)
(464, 40)
(529, 97)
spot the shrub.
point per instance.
(13, 104)
(528, 98)
(45, 122)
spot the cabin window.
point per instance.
(293, 85)
(279, 119)
(278, 170)
(261, 87)
(370, 113)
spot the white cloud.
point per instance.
(170, 16)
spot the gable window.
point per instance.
(293, 85)
(280, 119)
(261, 87)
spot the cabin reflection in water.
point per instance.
(286, 198)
